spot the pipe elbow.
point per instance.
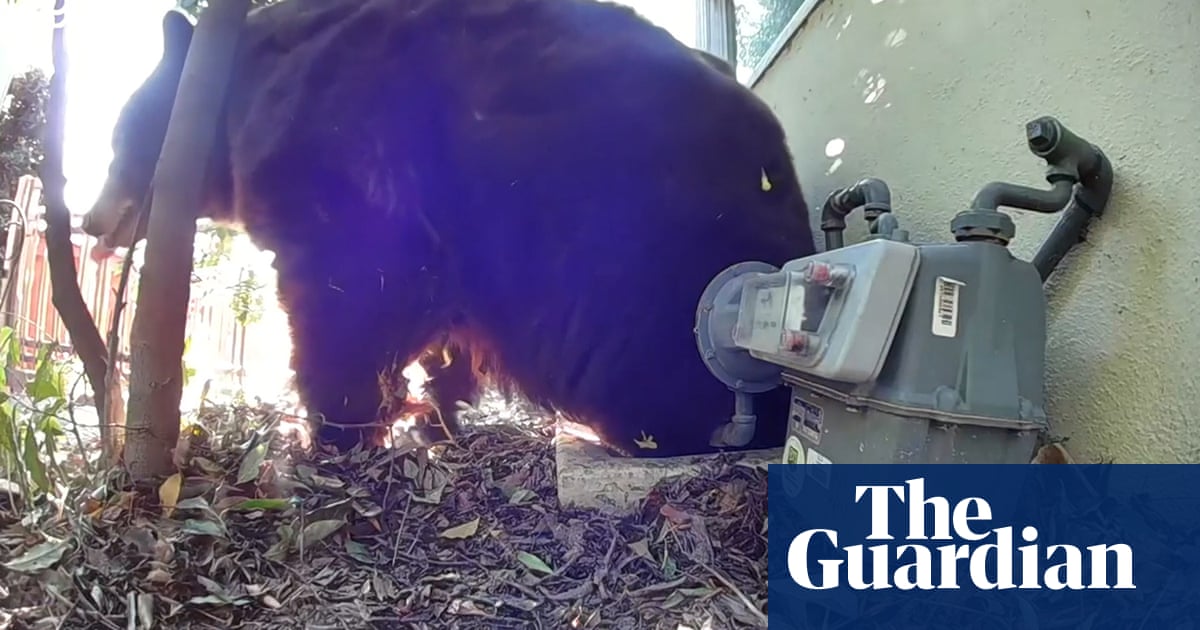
(1068, 153)
(741, 426)
(1097, 185)
(996, 194)
(871, 194)
(876, 196)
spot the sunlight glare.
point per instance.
(112, 47)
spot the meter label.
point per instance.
(945, 307)
(793, 453)
(812, 420)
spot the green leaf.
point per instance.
(203, 528)
(279, 551)
(47, 381)
(38, 557)
(305, 472)
(262, 504)
(50, 426)
(534, 563)
(50, 435)
(669, 568)
(14, 351)
(194, 503)
(673, 600)
(11, 355)
(251, 464)
(8, 447)
(58, 404)
(317, 531)
(34, 464)
(521, 495)
(359, 552)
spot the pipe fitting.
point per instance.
(740, 429)
(996, 194)
(1080, 178)
(871, 194)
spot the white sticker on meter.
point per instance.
(793, 451)
(945, 307)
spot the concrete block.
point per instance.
(588, 477)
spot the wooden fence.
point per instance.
(220, 347)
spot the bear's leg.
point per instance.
(350, 339)
(451, 378)
(344, 203)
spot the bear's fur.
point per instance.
(545, 185)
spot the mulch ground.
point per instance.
(258, 532)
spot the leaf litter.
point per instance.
(258, 532)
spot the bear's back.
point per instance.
(572, 174)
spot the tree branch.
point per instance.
(65, 293)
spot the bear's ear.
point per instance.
(178, 27)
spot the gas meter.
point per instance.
(898, 352)
(831, 315)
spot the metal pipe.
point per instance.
(871, 194)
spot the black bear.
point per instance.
(544, 187)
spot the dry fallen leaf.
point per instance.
(145, 611)
(168, 493)
(331, 483)
(641, 548)
(158, 576)
(1052, 454)
(38, 557)
(163, 551)
(731, 495)
(208, 467)
(675, 515)
(646, 442)
(379, 525)
(466, 530)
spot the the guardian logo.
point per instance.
(912, 565)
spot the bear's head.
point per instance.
(137, 141)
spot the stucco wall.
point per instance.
(932, 96)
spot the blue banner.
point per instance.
(1012, 547)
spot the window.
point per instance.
(761, 25)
